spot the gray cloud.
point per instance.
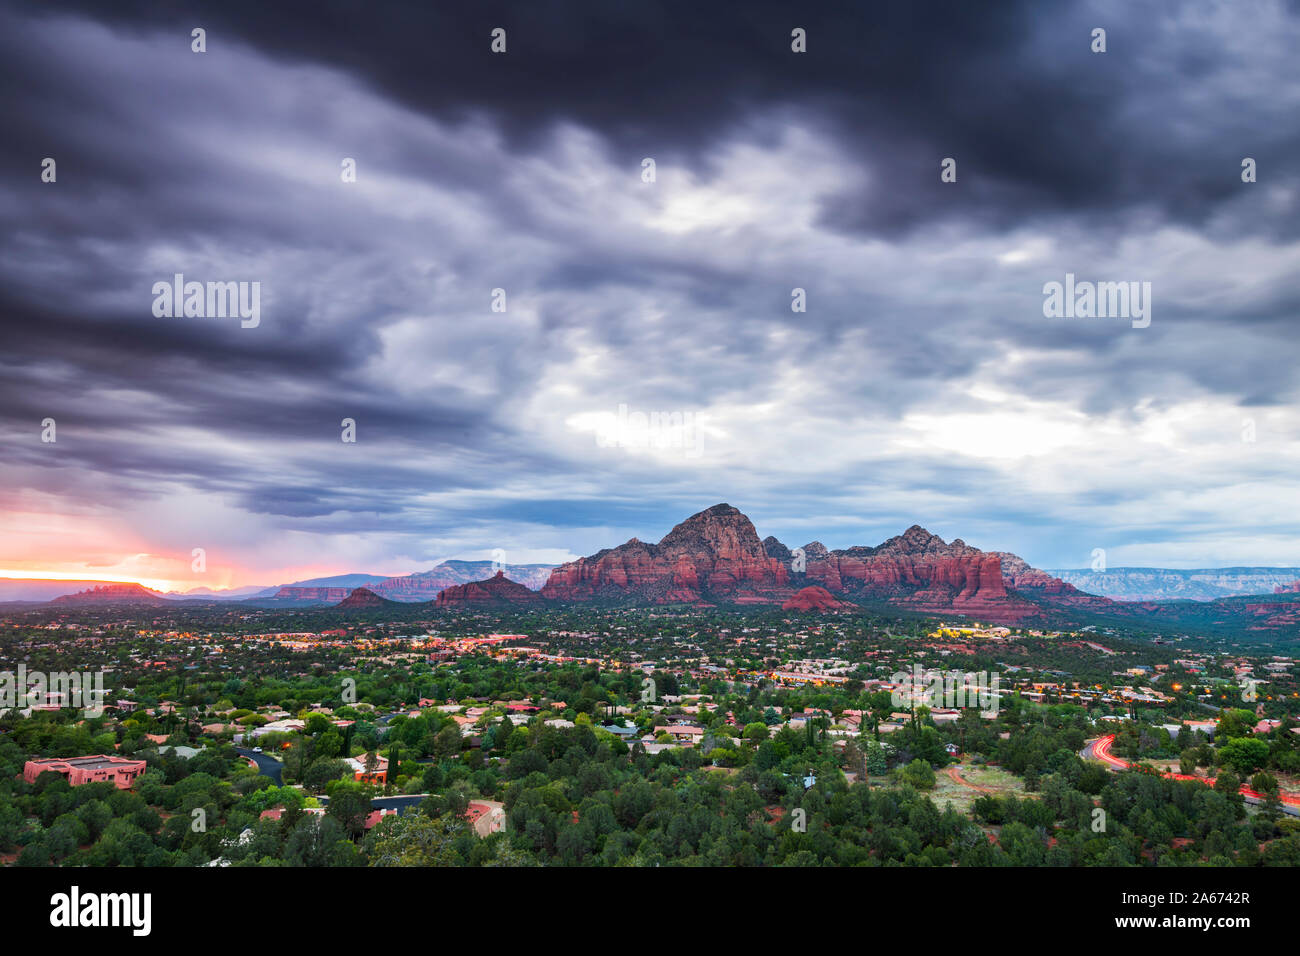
(923, 384)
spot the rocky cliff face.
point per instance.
(1273, 615)
(775, 549)
(496, 591)
(922, 572)
(714, 556)
(113, 594)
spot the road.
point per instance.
(1099, 749)
(954, 773)
(266, 766)
(400, 803)
(270, 767)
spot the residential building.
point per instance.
(119, 771)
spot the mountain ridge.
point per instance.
(715, 556)
(1171, 584)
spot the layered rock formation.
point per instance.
(496, 591)
(113, 594)
(1193, 584)
(713, 556)
(921, 571)
(716, 557)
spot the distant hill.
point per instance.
(345, 581)
(414, 588)
(221, 594)
(364, 598)
(1164, 584)
(43, 589)
(407, 588)
(427, 585)
(496, 591)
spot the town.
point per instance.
(609, 736)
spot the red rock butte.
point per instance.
(814, 598)
(496, 591)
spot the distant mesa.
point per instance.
(427, 585)
(223, 594)
(326, 595)
(364, 597)
(496, 591)
(420, 587)
(814, 598)
(109, 594)
(1182, 584)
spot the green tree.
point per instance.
(877, 762)
(1244, 754)
(349, 805)
(414, 839)
(919, 774)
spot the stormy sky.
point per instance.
(923, 383)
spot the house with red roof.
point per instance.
(119, 771)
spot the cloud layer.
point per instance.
(922, 384)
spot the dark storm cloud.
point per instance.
(521, 171)
(1040, 125)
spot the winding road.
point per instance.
(266, 766)
(1099, 749)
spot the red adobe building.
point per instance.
(119, 771)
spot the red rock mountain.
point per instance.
(496, 591)
(363, 597)
(710, 557)
(921, 571)
(114, 594)
(716, 557)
